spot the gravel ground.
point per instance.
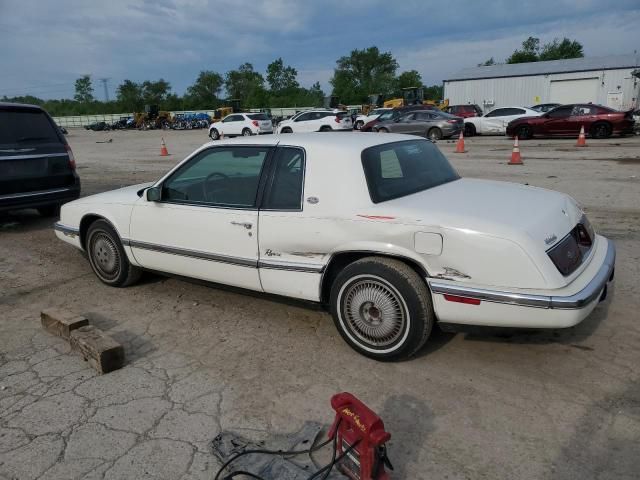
(489, 404)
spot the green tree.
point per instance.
(559, 49)
(129, 96)
(363, 72)
(411, 78)
(84, 89)
(155, 93)
(528, 53)
(245, 84)
(205, 90)
(281, 78)
(434, 92)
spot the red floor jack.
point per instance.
(361, 439)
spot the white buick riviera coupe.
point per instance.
(380, 228)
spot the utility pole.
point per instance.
(106, 90)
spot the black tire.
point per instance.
(49, 211)
(325, 128)
(600, 130)
(524, 132)
(246, 132)
(214, 134)
(286, 130)
(107, 257)
(434, 134)
(394, 329)
(359, 124)
(382, 130)
(469, 130)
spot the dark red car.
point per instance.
(566, 120)
(393, 114)
(464, 111)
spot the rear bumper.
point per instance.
(514, 309)
(41, 198)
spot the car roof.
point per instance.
(355, 140)
(14, 106)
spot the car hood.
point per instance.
(500, 209)
(127, 195)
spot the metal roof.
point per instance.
(544, 68)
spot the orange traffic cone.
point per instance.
(516, 159)
(460, 144)
(163, 149)
(582, 140)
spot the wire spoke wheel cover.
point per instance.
(104, 256)
(373, 313)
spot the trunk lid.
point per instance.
(494, 208)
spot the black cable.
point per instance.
(240, 472)
(270, 452)
(333, 462)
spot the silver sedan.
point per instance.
(432, 124)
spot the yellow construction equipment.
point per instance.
(376, 100)
(414, 96)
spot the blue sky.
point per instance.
(47, 44)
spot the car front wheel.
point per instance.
(213, 134)
(382, 308)
(107, 257)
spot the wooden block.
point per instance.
(100, 350)
(61, 322)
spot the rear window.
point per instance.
(398, 169)
(258, 116)
(342, 115)
(26, 127)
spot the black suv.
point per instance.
(37, 168)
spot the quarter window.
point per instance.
(498, 112)
(286, 188)
(226, 177)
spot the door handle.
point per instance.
(246, 225)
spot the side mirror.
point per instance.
(153, 194)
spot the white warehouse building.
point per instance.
(613, 81)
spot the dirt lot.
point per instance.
(496, 405)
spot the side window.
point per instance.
(226, 177)
(516, 111)
(498, 112)
(561, 112)
(285, 192)
(304, 117)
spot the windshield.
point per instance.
(398, 169)
(388, 115)
(26, 126)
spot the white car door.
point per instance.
(232, 124)
(493, 122)
(304, 123)
(205, 224)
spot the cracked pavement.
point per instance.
(199, 360)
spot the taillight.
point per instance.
(72, 160)
(337, 119)
(255, 123)
(457, 299)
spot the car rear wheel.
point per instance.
(382, 308)
(286, 130)
(469, 129)
(601, 130)
(107, 256)
(325, 128)
(382, 130)
(214, 134)
(523, 132)
(434, 134)
(246, 132)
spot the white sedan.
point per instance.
(372, 115)
(380, 228)
(245, 124)
(495, 122)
